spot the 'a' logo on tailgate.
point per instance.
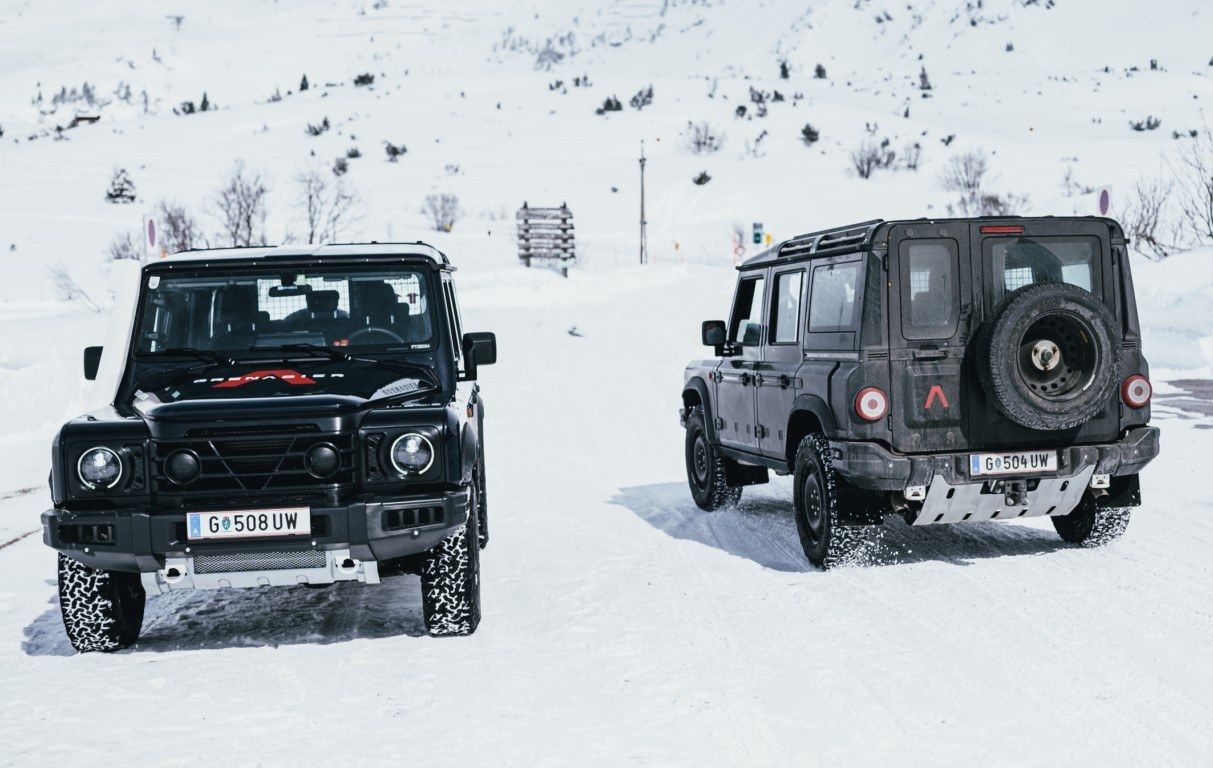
(936, 393)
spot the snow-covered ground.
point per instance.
(622, 625)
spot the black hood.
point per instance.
(281, 388)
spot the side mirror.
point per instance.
(478, 349)
(92, 361)
(713, 333)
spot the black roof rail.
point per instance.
(826, 241)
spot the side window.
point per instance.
(832, 300)
(929, 289)
(745, 326)
(785, 308)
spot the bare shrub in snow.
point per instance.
(394, 151)
(66, 287)
(121, 188)
(123, 246)
(315, 129)
(871, 156)
(968, 175)
(179, 231)
(1150, 123)
(442, 210)
(328, 206)
(911, 156)
(701, 179)
(702, 138)
(809, 135)
(241, 206)
(1193, 171)
(1144, 216)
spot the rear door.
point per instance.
(1010, 255)
(776, 379)
(735, 390)
(930, 303)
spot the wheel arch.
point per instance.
(809, 414)
(696, 393)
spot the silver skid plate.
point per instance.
(263, 569)
(946, 503)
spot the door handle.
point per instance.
(785, 381)
(745, 379)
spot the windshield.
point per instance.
(352, 308)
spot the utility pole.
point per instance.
(644, 239)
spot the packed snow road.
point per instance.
(624, 626)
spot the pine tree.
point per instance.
(303, 84)
(206, 103)
(122, 189)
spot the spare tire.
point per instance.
(1048, 356)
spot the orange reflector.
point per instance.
(1002, 229)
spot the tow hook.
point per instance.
(1016, 493)
(348, 565)
(173, 574)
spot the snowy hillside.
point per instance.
(621, 624)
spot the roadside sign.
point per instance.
(758, 233)
(1105, 200)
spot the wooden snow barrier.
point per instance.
(546, 234)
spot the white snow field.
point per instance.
(621, 624)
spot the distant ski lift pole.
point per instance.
(644, 237)
(546, 234)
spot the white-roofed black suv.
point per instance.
(949, 370)
(279, 417)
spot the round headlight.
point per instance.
(99, 468)
(412, 454)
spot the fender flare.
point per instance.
(699, 386)
(819, 408)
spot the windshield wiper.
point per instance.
(345, 357)
(197, 354)
(152, 382)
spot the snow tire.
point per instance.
(706, 467)
(102, 610)
(450, 580)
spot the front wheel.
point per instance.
(827, 543)
(450, 580)
(705, 467)
(1090, 525)
(102, 610)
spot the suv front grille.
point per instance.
(259, 561)
(239, 464)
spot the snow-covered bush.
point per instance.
(366, 78)
(353, 153)
(315, 129)
(642, 99)
(341, 166)
(609, 104)
(303, 84)
(241, 207)
(809, 135)
(1148, 124)
(702, 138)
(394, 151)
(911, 155)
(121, 188)
(701, 178)
(442, 210)
(819, 72)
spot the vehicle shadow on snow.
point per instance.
(762, 529)
(260, 617)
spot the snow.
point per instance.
(622, 625)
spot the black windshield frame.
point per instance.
(422, 272)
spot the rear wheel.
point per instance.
(706, 467)
(827, 543)
(1092, 526)
(450, 580)
(102, 610)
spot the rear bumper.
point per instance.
(874, 467)
(143, 540)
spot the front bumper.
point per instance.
(876, 468)
(144, 540)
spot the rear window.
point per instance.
(1021, 261)
(832, 301)
(929, 279)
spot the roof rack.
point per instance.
(827, 241)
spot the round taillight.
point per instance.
(1136, 391)
(871, 404)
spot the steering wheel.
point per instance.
(375, 330)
